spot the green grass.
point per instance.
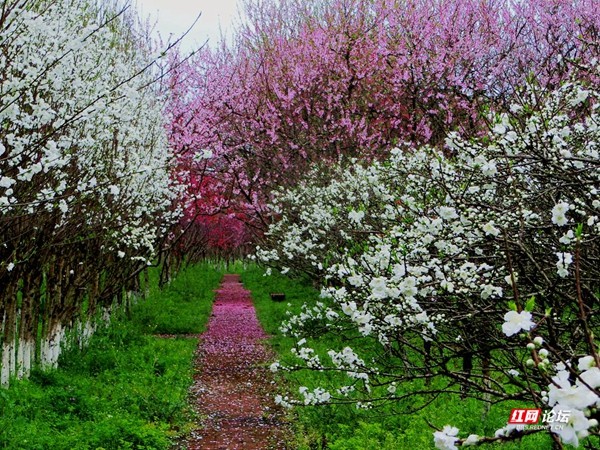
(127, 390)
(183, 307)
(344, 427)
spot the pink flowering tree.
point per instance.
(214, 221)
(306, 83)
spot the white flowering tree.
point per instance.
(85, 189)
(473, 269)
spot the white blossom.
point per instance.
(356, 216)
(559, 213)
(564, 261)
(473, 439)
(515, 322)
(446, 439)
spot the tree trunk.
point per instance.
(51, 346)
(9, 336)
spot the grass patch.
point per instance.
(344, 427)
(127, 389)
(182, 307)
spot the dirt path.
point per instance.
(233, 383)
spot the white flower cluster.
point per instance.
(446, 439)
(422, 248)
(83, 138)
(578, 398)
(574, 401)
(355, 368)
(86, 190)
(307, 354)
(311, 320)
(317, 396)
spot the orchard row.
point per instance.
(86, 191)
(433, 165)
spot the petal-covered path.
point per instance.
(233, 384)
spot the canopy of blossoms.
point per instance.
(484, 261)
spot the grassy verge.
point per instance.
(183, 307)
(127, 390)
(344, 427)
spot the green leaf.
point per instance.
(530, 304)
(579, 231)
(512, 306)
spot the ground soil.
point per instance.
(233, 386)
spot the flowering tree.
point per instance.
(85, 189)
(214, 217)
(473, 275)
(306, 83)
